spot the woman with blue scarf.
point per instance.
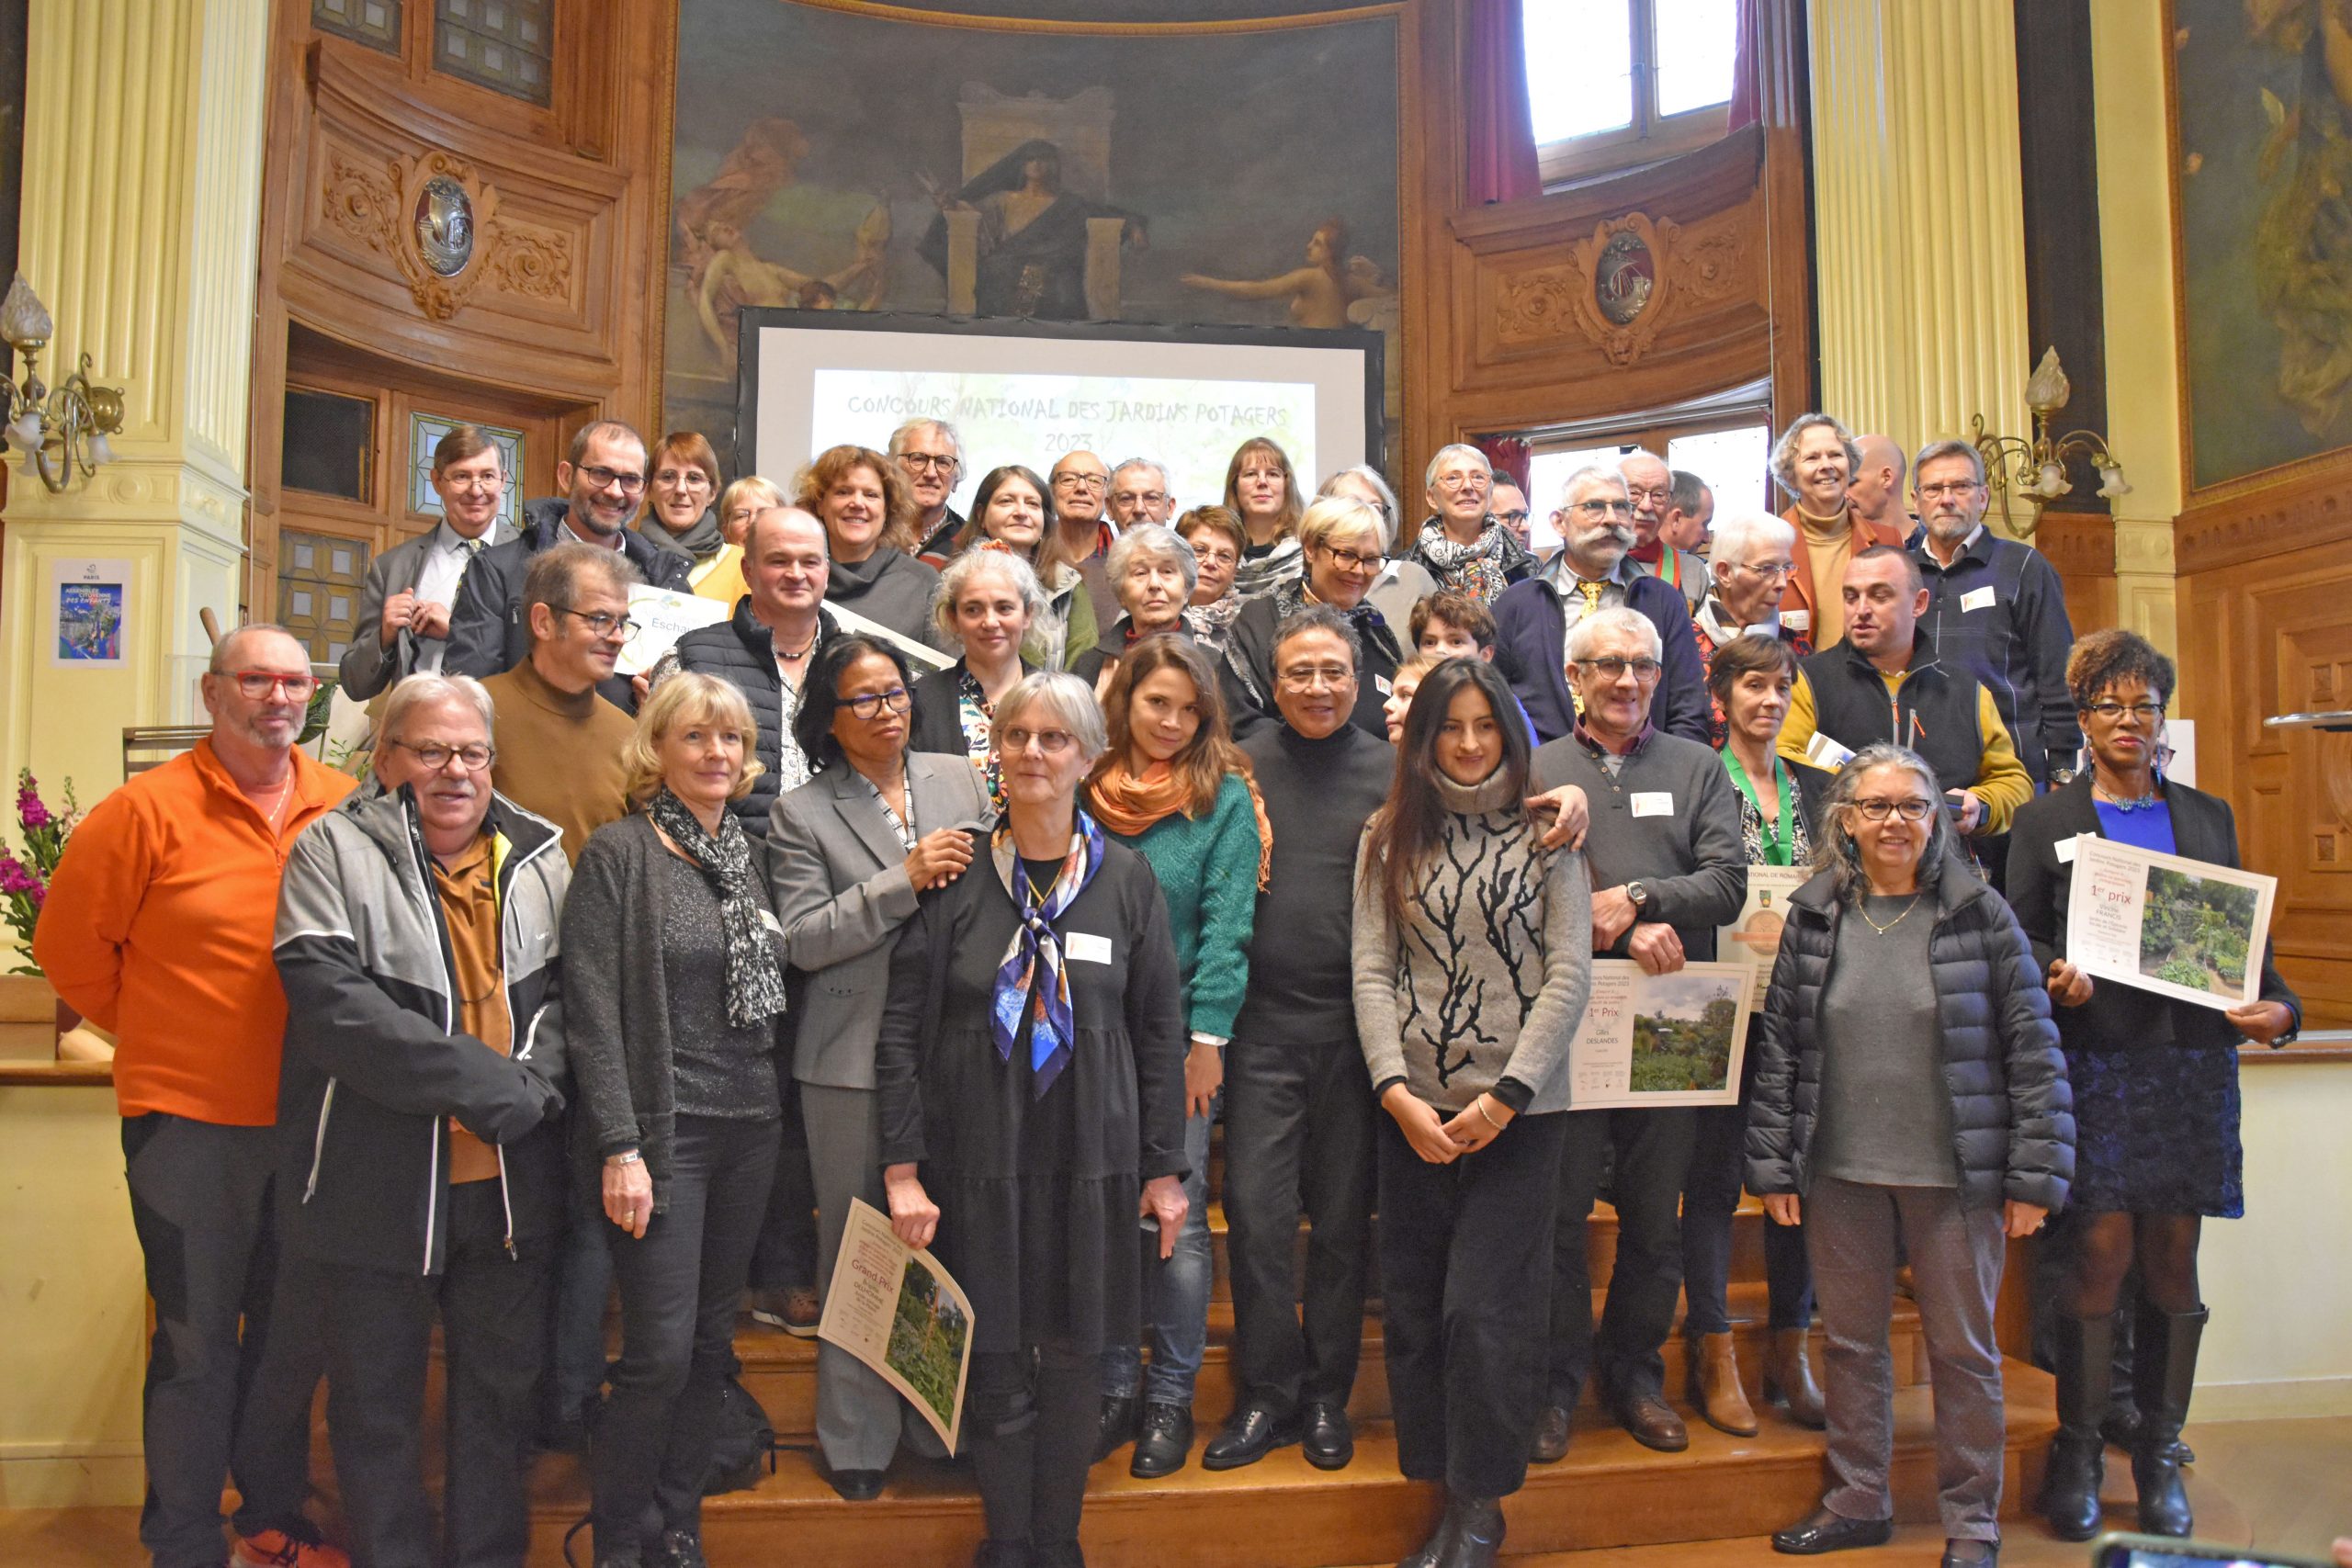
(1031, 1069)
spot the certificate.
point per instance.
(2180, 928)
(1660, 1039)
(896, 1309)
(663, 617)
(1753, 937)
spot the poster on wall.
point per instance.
(91, 605)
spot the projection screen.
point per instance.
(1028, 391)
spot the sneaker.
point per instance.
(793, 1310)
(680, 1548)
(301, 1547)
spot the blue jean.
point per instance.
(1175, 1292)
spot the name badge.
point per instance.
(1653, 802)
(1826, 754)
(1084, 947)
(1977, 599)
(1797, 620)
(2065, 848)
(1387, 688)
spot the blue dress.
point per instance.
(2155, 1131)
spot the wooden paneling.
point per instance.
(2081, 547)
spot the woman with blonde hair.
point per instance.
(674, 1002)
(861, 498)
(738, 504)
(1261, 488)
(1339, 540)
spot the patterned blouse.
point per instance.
(978, 718)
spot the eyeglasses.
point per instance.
(871, 705)
(1655, 497)
(2146, 713)
(1081, 481)
(1770, 572)
(1259, 474)
(611, 479)
(1508, 517)
(687, 479)
(600, 622)
(255, 684)
(1958, 489)
(1307, 677)
(928, 463)
(1614, 668)
(1352, 560)
(1914, 810)
(1459, 481)
(1604, 508)
(1140, 497)
(1052, 742)
(475, 755)
(490, 482)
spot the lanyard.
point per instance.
(1778, 848)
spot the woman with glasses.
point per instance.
(1339, 542)
(1218, 540)
(861, 498)
(1473, 960)
(1461, 544)
(738, 504)
(849, 852)
(1031, 1069)
(986, 599)
(681, 488)
(674, 1003)
(1403, 582)
(1013, 512)
(1898, 1120)
(1261, 488)
(1748, 565)
(2156, 1095)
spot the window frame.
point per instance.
(1651, 137)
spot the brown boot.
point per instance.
(1790, 1377)
(1714, 1387)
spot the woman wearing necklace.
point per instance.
(1749, 678)
(987, 600)
(2156, 1095)
(1884, 1108)
(1031, 1070)
(849, 853)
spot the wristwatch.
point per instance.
(1639, 895)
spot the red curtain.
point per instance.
(1746, 88)
(1509, 454)
(1501, 132)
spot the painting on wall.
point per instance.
(2262, 153)
(825, 157)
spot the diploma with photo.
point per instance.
(893, 1307)
(1660, 1039)
(1754, 939)
(2180, 928)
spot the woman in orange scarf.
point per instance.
(1172, 785)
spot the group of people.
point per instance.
(1271, 812)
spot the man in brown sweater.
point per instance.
(560, 745)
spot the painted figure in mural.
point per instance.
(735, 277)
(1321, 292)
(1033, 235)
(763, 163)
(2302, 257)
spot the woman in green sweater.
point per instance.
(1172, 785)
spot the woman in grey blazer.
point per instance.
(849, 851)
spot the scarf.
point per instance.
(1482, 569)
(1130, 804)
(1210, 622)
(1031, 977)
(754, 976)
(1258, 575)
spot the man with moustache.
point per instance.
(1996, 607)
(1590, 573)
(412, 587)
(416, 941)
(930, 456)
(605, 478)
(1650, 485)
(1081, 487)
(1139, 493)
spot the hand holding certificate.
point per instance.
(893, 1307)
(2181, 928)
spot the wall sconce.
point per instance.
(2035, 471)
(74, 422)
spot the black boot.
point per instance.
(1475, 1531)
(2077, 1461)
(2164, 1372)
(1120, 1411)
(1433, 1551)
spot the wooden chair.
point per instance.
(150, 746)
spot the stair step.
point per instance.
(1281, 1513)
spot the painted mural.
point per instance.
(826, 158)
(2263, 139)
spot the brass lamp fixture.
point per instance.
(2035, 471)
(64, 432)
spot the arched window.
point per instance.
(1615, 82)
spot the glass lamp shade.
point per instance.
(26, 434)
(24, 320)
(2112, 484)
(101, 452)
(2052, 480)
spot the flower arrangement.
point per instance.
(24, 883)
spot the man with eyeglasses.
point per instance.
(1996, 606)
(1588, 573)
(403, 617)
(929, 455)
(1509, 507)
(1081, 487)
(433, 1179)
(1650, 485)
(605, 478)
(1690, 516)
(1668, 868)
(158, 928)
(1139, 493)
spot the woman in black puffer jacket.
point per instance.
(1910, 1084)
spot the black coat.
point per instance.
(1037, 1197)
(936, 723)
(2120, 1017)
(1247, 670)
(2013, 1118)
(740, 651)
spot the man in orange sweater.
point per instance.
(158, 926)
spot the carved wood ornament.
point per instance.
(439, 222)
(1620, 285)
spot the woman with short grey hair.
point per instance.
(987, 602)
(1031, 1068)
(1153, 573)
(1892, 1118)
(1402, 582)
(1461, 543)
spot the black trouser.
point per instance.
(1031, 1419)
(379, 1324)
(1298, 1133)
(1464, 1284)
(786, 1258)
(216, 1400)
(681, 1284)
(1653, 1154)
(1710, 1196)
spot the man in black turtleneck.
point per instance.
(1298, 1106)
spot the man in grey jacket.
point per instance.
(1668, 868)
(416, 937)
(412, 590)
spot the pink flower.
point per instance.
(15, 878)
(30, 811)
